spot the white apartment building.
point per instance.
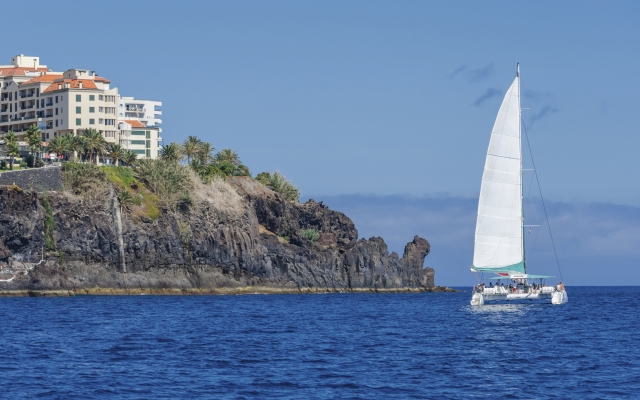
(146, 111)
(72, 101)
(141, 139)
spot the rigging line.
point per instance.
(542, 198)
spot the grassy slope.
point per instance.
(145, 202)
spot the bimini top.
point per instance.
(521, 276)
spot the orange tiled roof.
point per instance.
(19, 71)
(43, 78)
(73, 84)
(101, 79)
(134, 123)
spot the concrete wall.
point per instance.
(39, 179)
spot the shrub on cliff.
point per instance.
(310, 234)
(279, 184)
(86, 180)
(171, 182)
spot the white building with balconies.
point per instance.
(147, 112)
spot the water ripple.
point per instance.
(310, 346)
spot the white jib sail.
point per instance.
(498, 239)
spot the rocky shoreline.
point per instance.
(245, 239)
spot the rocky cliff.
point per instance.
(57, 243)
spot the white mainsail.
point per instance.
(498, 239)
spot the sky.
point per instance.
(383, 100)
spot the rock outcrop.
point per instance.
(94, 248)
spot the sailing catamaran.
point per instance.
(499, 238)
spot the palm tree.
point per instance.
(115, 152)
(57, 145)
(13, 150)
(129, 157)
(75, 144)
(190, 147)
(229, 156)
(204, 152)
(95, 144)
(171, 152)
(10, 137)
(34, 142)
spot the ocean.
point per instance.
(322, 346)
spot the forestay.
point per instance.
(498, 238)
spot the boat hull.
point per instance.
(557, 297)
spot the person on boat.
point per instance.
(490, 284)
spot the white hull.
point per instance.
(556, 297)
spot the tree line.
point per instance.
(198, 155)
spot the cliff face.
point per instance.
(97, 247)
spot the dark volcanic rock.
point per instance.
(202, 248)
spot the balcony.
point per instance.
(49, 115)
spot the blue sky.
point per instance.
(384, 100)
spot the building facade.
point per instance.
(147, 112)
(143, 140)
(72, 101)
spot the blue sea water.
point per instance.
(349, 346)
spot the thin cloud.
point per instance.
(476, 75)
(490, 93)
(458, 70)
(473, 75)
(545, 112)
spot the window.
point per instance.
(110, 134)
(142, 142)
(56, 123)
(92, 97)
(138, 133)
(100, 97)
(148, 153)
(56, 110)
(78, 97)
(78, 110)
(148, 135)
(100, 109)
(109, 121)
(148, 144)
(56, 99)
(78, 123)
(92, 121)
(139, 151)
(100, 121)
(92, 109)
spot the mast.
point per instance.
(521, 177)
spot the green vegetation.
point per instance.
(310, 234)
(34, 142)
(11, 147)
(171, 182)
(279, 184)
(86, 180)
(183, 175)
(133, 195)
(49, 224)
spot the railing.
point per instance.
(514, 289)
